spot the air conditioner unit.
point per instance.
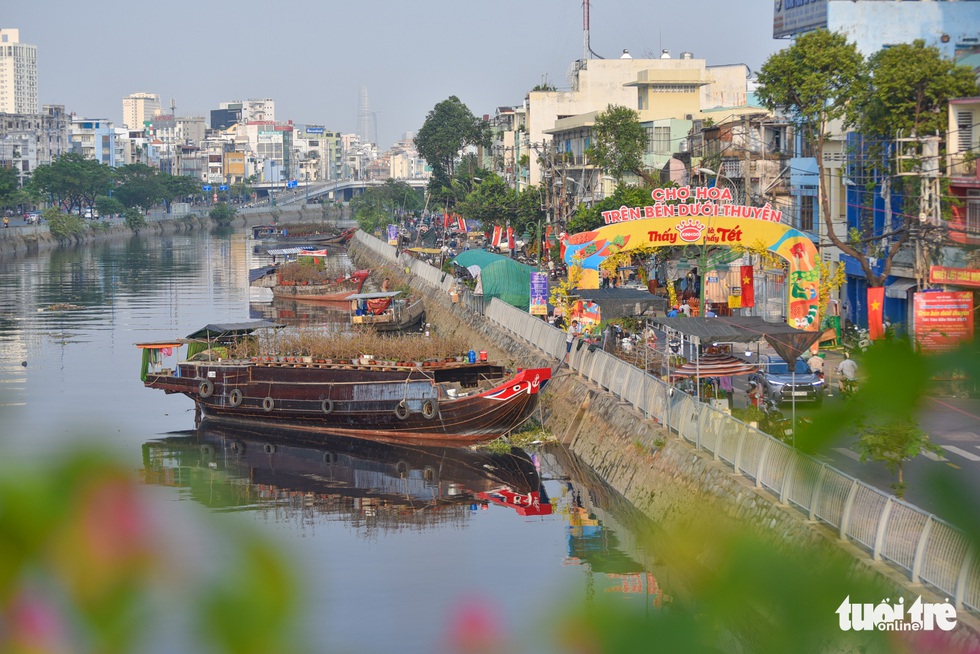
(688, 116)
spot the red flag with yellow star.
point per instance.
(876, 309)
(748, 286)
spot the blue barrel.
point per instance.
(472, 355)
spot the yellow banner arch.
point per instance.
(703, 222)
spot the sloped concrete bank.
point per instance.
(30, 240)
(662, 476)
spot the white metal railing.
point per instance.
(928, 549)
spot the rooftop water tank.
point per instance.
(687, 55)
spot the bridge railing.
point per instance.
(928, 550)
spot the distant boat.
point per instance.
(300, 234)
(385, 311)
(449, 402)
(351, 473)
(335, 290)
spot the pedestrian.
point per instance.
(755, 395)
(685, 309)
(816, 364)
(573, 331)
(673, 312)
(6, 221)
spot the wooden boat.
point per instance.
(336, 291)
(344, 475)
(456, 403)
(385, 311)
(299, 234)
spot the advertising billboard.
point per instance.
(795, 16)
(943, 320)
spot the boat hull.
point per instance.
(398, 404)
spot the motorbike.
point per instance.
(848, 387)
(774, 422)
(853, 338)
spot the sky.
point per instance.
(313, 56)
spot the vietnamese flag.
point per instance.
(445, 220)
(495, 241)
(876, 310)
(510, 238)
(748, 286)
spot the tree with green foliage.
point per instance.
(822, 78)
(176, 187)
(134, 218)
(587, 218)
(223, 213)
(906, 94)
(63, 226)
(72, 182)
(814, 80)
(448, 130)
(9, 187)
(618, 142)
(893, 441)
(139, 186)
(377, 206)
(108, 206)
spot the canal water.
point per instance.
(394, 547)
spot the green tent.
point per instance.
(501, 276)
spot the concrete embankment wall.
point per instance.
(665, 477)
(32, 239)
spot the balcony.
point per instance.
(963, 167)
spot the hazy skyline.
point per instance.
(313, 57)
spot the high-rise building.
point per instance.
(139, 108)
(18, 74)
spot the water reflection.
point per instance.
(300, 314)
(365, 483)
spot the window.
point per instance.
(973, 214)
(807, 212)
(661, 140)
(964, 130)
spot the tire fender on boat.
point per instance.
(329, 457)
(401, 410)
(327, 405)
(206, 389)
(235, 398)
(402, 468)
(430, 408)
(237, 448)
(268, 404)
(269, 448)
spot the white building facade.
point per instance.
(18, 74)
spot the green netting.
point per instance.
(502, 277)
(479, 258)
(508, 280)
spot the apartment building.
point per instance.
(18, 74)
(140, 108)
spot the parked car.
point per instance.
(779, 385)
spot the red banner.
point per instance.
(495, 241)
(460, 223)
(445, 220)
(876, 312)
(943, 320)
(748, 286)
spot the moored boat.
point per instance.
(334, 290)
(386, 311)
(455, 402)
